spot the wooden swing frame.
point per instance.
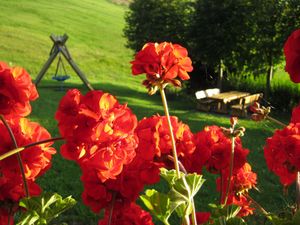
(60, 47)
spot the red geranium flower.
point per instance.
(162, 63)
(99, 132)
(5, 216)
(242, 180)
(296, 114)
(155, 141)
(16, 91)
(36, 160)
(202, 217)
(97, 194)
(243, 202)
(213, 150)
(282, 153)
(292, 56)
(131, 214)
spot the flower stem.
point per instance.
(175, 157)
(165, 104)
(194, 219)
(9, 215)
(43, 142)
(257, 205)
(16, 150)
(18, 155)
(298, 190)
(222, 184)
(111, 210)
(275, 121)
(186, 220)
(181, 167)
(230, 169)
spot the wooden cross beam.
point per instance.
(60, 47)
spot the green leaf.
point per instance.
(29, 219)
(235, 221)
(42, 209)
(182, 190)
(169, 175)
(159, 205)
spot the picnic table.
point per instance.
(223, 99)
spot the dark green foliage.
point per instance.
(157, 21)
(247, 35)
(218, 30)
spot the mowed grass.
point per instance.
(97, 45)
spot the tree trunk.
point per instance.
(220, 77)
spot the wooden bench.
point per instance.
(203, 101)
(241, 109)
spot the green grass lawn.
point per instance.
(96, 44)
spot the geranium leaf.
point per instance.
(169, 175)
(159, 204)
(235, 221)
(42, 209)
(29, 218)
(182, 190)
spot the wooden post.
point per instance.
(220, 77)
(67, 56)
(46, 66)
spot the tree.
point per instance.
(218, 30)
(157, 21)
(274, 21)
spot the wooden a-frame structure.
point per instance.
(60, 47)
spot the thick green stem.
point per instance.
(194, 219)
(276, 121)
(18, 155)
(230, 169)
(14, 151)
(186, 220)
(174, 152)
(298, 191)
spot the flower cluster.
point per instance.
(282, 153)
(241, 181)
(16, 91)
(213, 150)
(292, 56)
(99, 132)
(162, 63)
(100, 137)
(36, 159)
(154, 136)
